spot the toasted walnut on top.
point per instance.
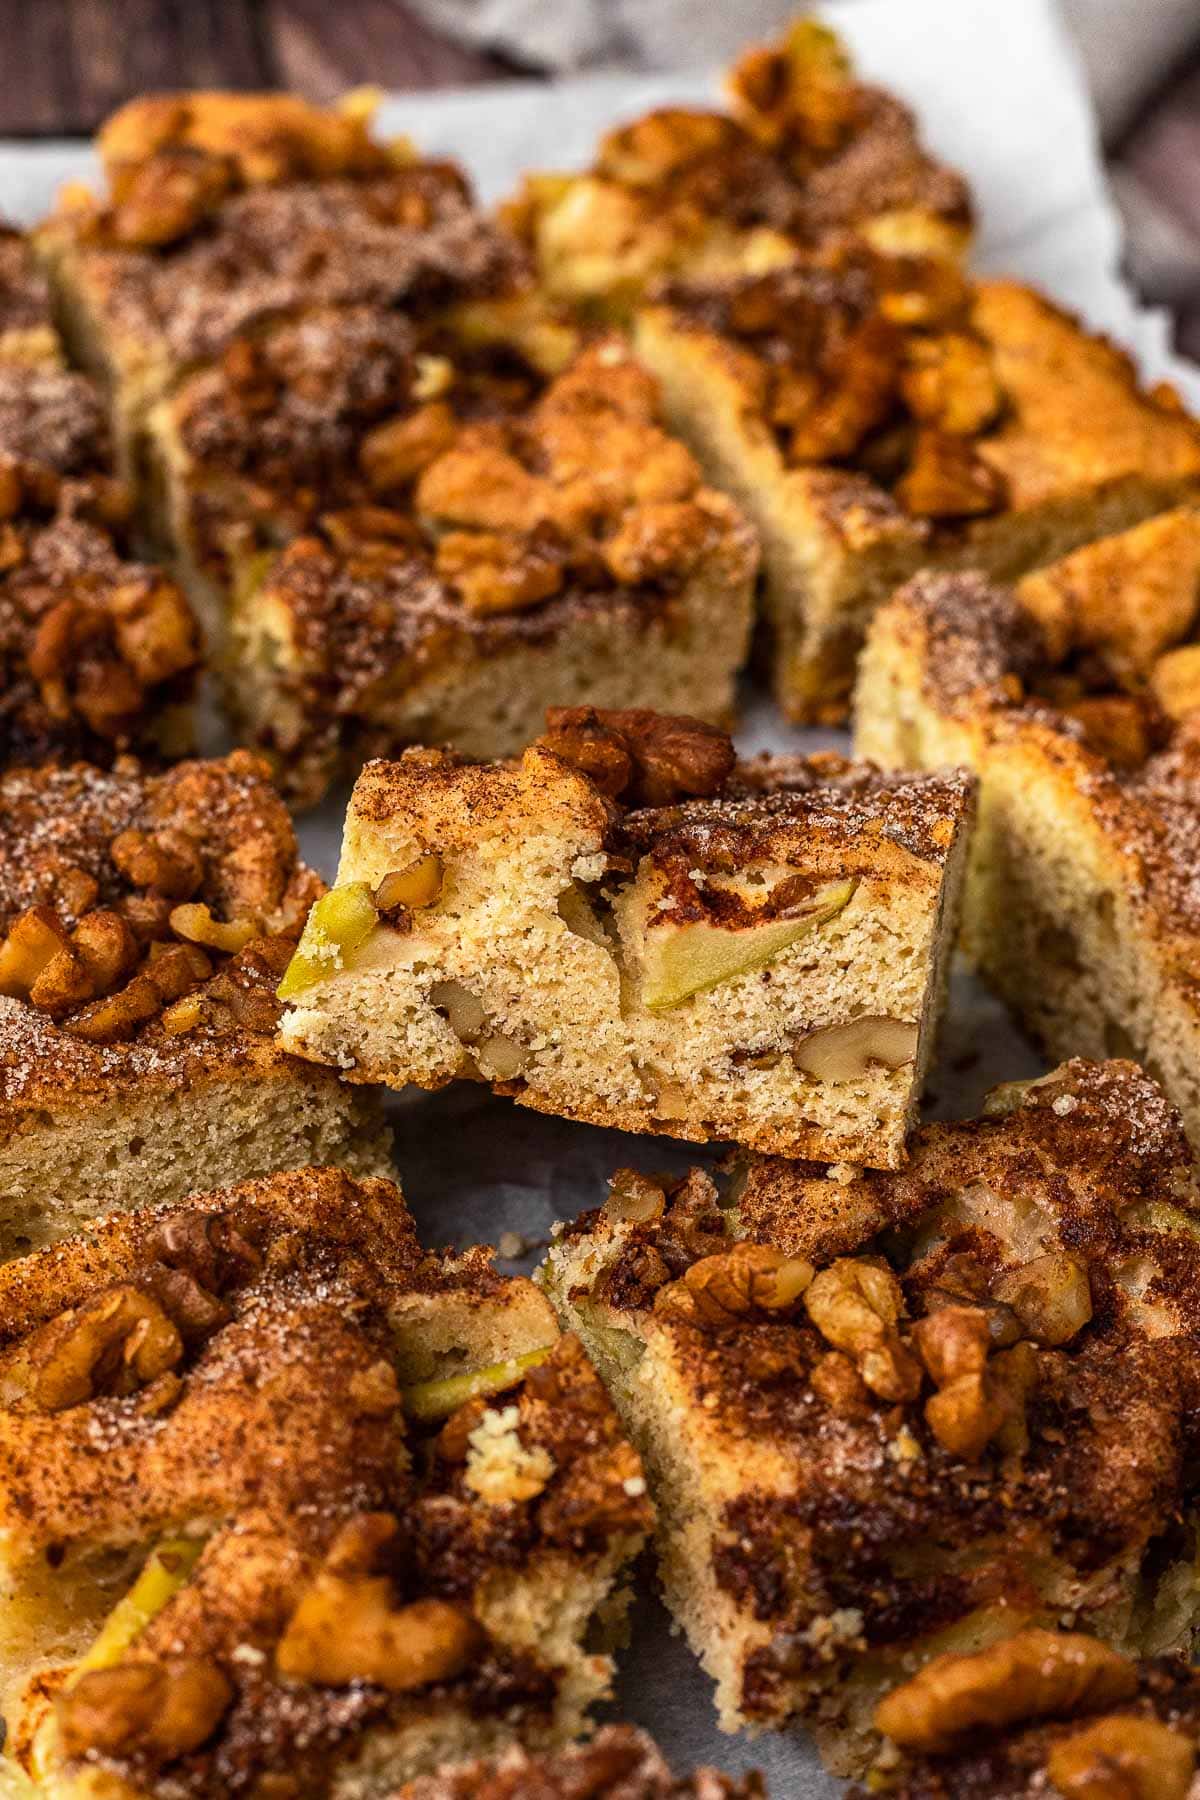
(586, 487)
(173, 159)
(639, 757)
(130, 900)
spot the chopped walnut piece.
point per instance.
(115, 1342)
(966, 1413)
(1119, 727)
(947, 479)
(1032, 1675)
(855, 1305)
(654, 539)
(496, 571)
(948, 381)
(398, 451)
(838, 1383)
(952, 1342)
(1123, 1758)
(162, 1710)
(347, 1627)
(634, 1198)
(195, 922)
(745, 1279)
(165, 860)
(656, 758)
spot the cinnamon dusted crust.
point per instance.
(498, 560)
(368, 1591)
(1137, 1723)
(223, 209)
(27, 334)
(619, 1764)
(760, 956)
(808, 154)
(145, 920)
(1074, 696)
(876, 415)
(871, 1448)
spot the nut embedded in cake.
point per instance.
(145, 921)
(890, 1416)
(619, 1763)
(357, 1507)
(627, 928)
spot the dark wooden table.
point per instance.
(65, 64)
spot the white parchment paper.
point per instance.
(999, 88)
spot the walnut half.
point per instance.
(1033, 1675)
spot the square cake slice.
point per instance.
(626, 927)
(98, 654)
(806, 155)
(889, 1416)
(879, 415)
(619, 1763)
(1076, 699)
(1041, 1713)
(220, 211)
(356, 1512)
(562, 552)
(145, 920)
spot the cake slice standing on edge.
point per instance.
(1076, 699)
(357, 1510)
(145, 921)
(886, 1416)
(628, 928)
(878, 415)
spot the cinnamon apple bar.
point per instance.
(1042, 1713)
(806, 155)
(481, 568)
(629, 928)
(887, 1416)
(876, 415)
(98, 653)
(619, 1763)
(219, 211)
(145, 921)
(1076, 698)
(27, 334)
(289, 1506)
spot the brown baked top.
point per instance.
(618, 1764)
(1014, 1363)
(410, 233)
(809, 153)
(94, 650)
(1141, 1719)
(237, 1360)
(55, 443)
(335, 408)
(938, 402)
(145, 918)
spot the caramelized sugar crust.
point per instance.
(619, 1764)
(236, 1361)
(143, 915)
(998, 1352)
